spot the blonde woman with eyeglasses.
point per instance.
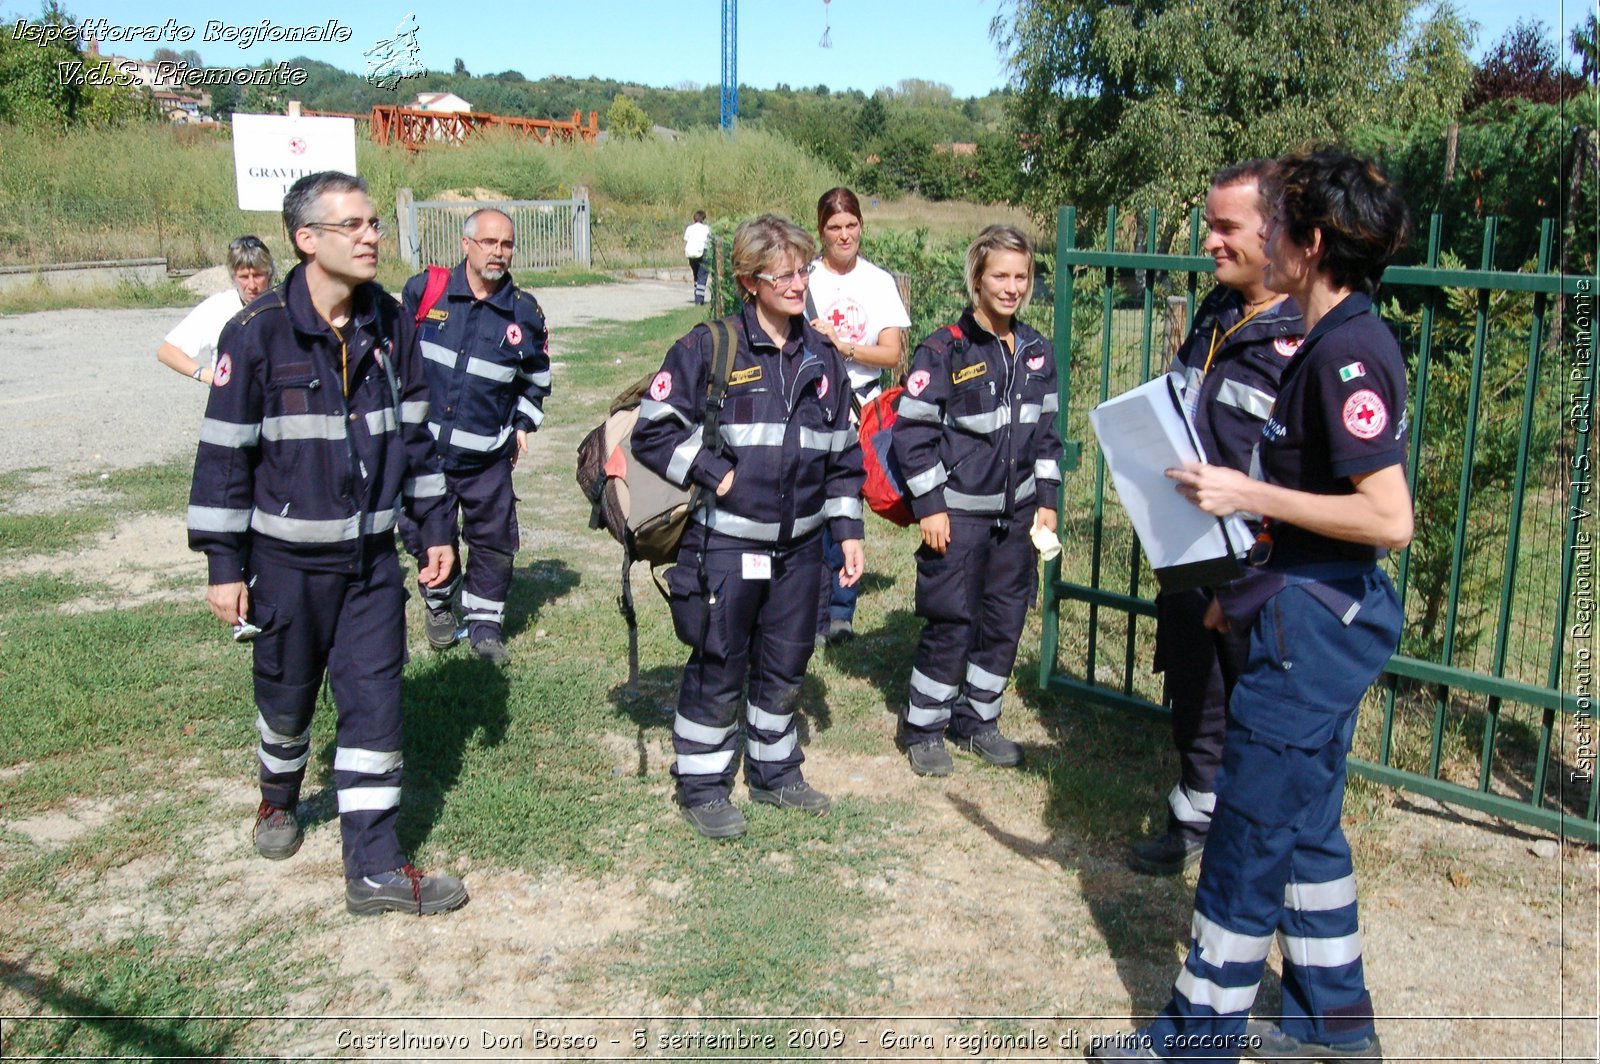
(783, 462)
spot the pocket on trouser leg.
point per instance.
(268, 644)
(698, 610)
(941, 594)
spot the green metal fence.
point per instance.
(1488, 703)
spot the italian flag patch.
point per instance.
(1352, 371)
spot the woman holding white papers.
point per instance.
(1323, 621)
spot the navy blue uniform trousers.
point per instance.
(974, 598)
(1199, 668)
(351, 626)
(737, 628)
(488, 507)
(1276, 861)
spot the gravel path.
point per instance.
(81, 390)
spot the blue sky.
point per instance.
(662, 42)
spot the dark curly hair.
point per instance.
(1363, 219)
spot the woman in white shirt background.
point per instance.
(857, 306)
(191, 347)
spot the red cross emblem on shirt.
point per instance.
(1365, 415)
(837, 318)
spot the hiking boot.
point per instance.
(492, 651)
(1165, 855)
(404, 890)
(1266, 1041)
(840, 630)
(929, 757)
(716, 819)
(277, 833)
(993, 747)
(801, 796)
(440, 627)
(1132, 1045)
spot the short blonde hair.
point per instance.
(761, 243)
(997, 238)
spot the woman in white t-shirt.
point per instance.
(191, 347)
(857, 306)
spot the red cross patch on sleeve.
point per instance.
(224, 371)
(917, 381)
(661, 387)
(1365, 416)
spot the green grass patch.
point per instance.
(148, 489)
(125, 294)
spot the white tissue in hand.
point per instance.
(1045, 542)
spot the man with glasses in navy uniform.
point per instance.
(314, 438)
(486, 357)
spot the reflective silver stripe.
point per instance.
(760, 434)
(984, 679)
(683, 456)
(424, 487)
(297, 530)
(442, 355)
(685, 728)
(1320, 897)
(278, 764)
(1252, 401)
(928, 479)
(414, 413)
(985, 710)
(1026, 488)
(278, 738)
(917, 410)
(1028, 413)
(927, 718)
(712, 764)
(842, 507)
(435, 428)
(983, 424)
(380, 421)
(540, 379)
(472, 441)
(939, 692)
(770, 751)
(1321, 952)
(655, 410)
(1050, 403)
(303, 427)
(363, 799)
(228, 434)
(760, 718)
(960, 500)
(217, 519)
(1205, 993)
(1192, 808)
(1046, 469)
(530, 410)
(481, 609)
(832, 442)
(480, 367)
(734, 525)
(810, 523)
(366, 762)
(1219, 946)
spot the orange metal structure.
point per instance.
(415, 128)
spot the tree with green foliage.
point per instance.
(1137, 103)
(51, 86)
(627, 119)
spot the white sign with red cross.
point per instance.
(272, 152)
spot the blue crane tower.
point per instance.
(730, 64)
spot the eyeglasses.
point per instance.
(784, 280)
(351, 227)
(507, 246)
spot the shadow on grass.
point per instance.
(534, 587)
(882, 657)
(159, 1038)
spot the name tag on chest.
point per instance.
(757, 566)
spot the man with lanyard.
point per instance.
(1243, 336)
(486, 357)
(313, 439)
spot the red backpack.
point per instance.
(885, 489)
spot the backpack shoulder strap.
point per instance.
(717, 386)
(438, 279)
